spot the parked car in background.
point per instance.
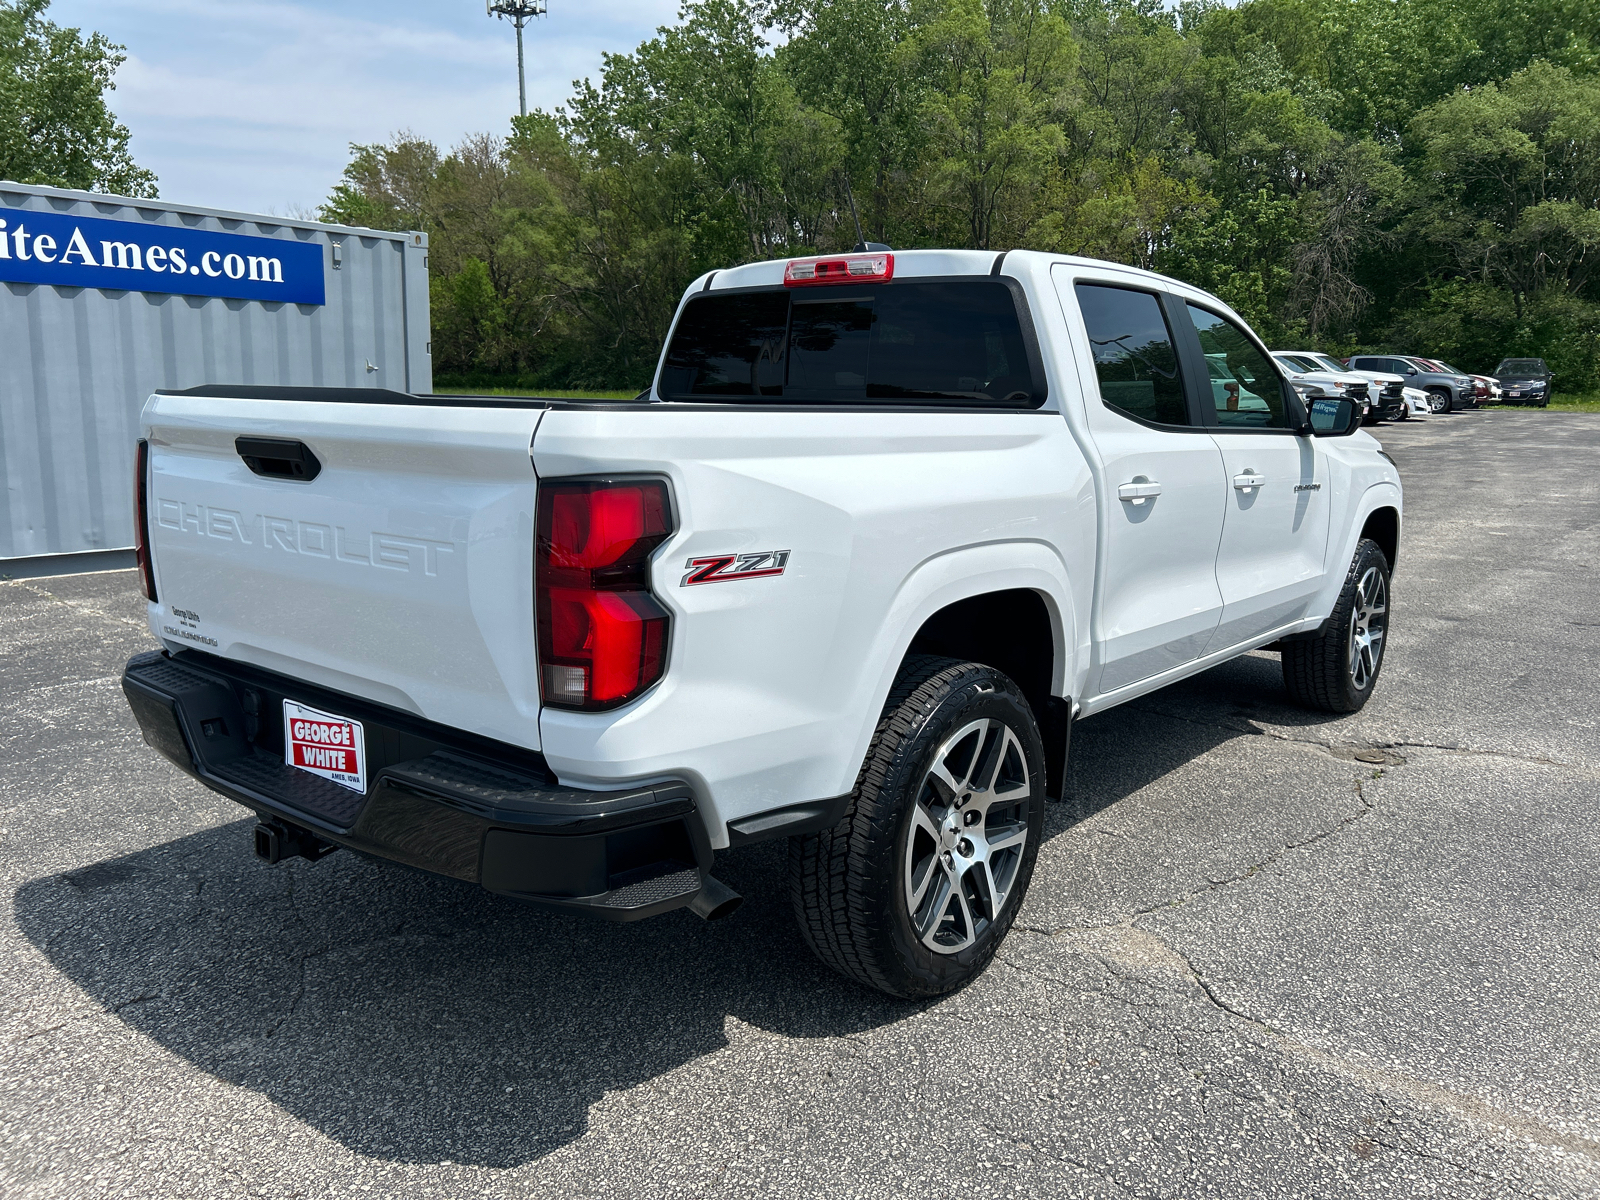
(1446, 391)
(1385, 390)
(1484, 387)
(1312, 379)
(1525, 381)
(1416, 403)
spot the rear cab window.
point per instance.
(964, 342)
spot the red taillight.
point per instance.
(602, 635)
(141, 519)
(839, 268)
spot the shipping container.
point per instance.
(105, 299)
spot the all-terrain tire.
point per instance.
(1322, 673)
(847, 884)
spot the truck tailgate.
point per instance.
(402, 572)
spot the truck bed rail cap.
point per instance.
(345, 395)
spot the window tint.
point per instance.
(1133, 353)
(730, 345)
(1245, 387)
(958, 342)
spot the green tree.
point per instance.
(386, 186)
(55, 127)
(1509, 181)
(996, 70)
(1415, 175)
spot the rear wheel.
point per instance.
(912, 892)
(1337, 671)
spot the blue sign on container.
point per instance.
(45, 247)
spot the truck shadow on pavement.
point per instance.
(417, 1019)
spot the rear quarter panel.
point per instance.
(773, 685)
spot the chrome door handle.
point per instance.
(1248, 481)
(1138, 490)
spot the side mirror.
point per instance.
(1330, 417)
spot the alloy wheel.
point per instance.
(1368, 624)
(966, 835)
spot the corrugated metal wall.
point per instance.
(76, 364)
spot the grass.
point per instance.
(541, 393)
(1561, 403)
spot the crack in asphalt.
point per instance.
(1332, 747)
(1060, 1156)
(1218, 884)
(1420, 1092)
(301, 959)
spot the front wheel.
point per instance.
(1337, 671)
(912, 892)
(1438, 401)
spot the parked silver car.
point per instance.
(1446, 392)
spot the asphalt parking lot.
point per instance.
(1265, 953)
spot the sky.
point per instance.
(252, 105)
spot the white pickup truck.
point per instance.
(884, 525)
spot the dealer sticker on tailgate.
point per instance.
(325, 745)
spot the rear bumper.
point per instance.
(437, 799)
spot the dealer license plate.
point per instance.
(324, 744)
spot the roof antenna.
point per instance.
(861, 242)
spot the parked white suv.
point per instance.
(1384, 394)
(883, 527)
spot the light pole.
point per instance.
(520, 12)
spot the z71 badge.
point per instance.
(719, 568)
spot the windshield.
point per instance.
(1300, 362)
(1521, 366)
(1326, 363)
(955, 341)
(1448, 369)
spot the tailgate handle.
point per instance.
(278, 458)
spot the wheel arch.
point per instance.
(1382, 525)
(1007, 605)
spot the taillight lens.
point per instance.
(141, 519)
(839, 268)
(602, 635)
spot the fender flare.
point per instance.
(1383, 494)
(960, 574)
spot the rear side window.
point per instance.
(1133, 353)
(1245, 387)
(959, 342)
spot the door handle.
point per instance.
(1248, 480)
(1138, 490)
